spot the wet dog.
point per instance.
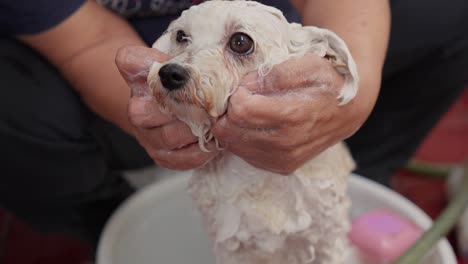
(253, 215)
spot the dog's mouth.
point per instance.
(192, 93)
(203, 86)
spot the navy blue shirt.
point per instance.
(149, 17)
(29, 16)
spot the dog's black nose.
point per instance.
(173, 76)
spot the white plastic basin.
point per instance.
(159, 225)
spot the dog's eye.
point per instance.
(181, 37)
(241, 43)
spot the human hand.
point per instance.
(168, 141)
(280, 121)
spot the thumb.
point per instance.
(291, 74)
(134, 64)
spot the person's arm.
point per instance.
(83, 48)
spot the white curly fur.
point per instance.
(256, 216)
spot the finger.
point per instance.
(186, 158)
(235, 137)
(144, 112)
(284, 139)
(134, 63)
(176, 135)
(307, 71)
(171, 136)
(274, 111)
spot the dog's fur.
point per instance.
(256, 216)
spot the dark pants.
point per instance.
(425, 70)
(60, 163)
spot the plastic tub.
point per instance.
(160, 225)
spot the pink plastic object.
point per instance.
(382, 236)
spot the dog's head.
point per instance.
(215, 44)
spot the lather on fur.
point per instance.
(256, 216)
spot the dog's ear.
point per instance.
(328, 45)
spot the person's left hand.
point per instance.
(168, 141)
(280, 121)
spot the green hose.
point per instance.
(442, 225)
(439, 170)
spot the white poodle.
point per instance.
(255, 216)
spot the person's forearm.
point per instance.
(364, 25)
(97, 79)
(83, 48)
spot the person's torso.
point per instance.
(151, 17)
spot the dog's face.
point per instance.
(212, 47)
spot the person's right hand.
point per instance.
(168, 141)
